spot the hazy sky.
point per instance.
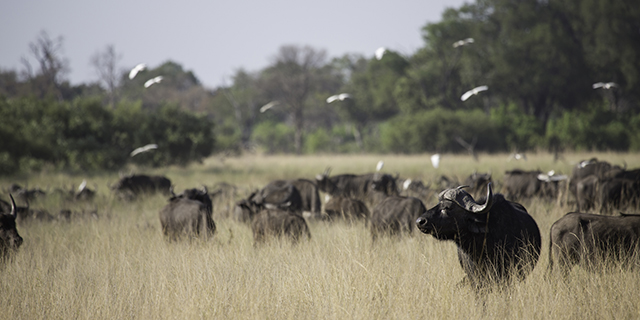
(211, 38)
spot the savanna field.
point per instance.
(119, 266)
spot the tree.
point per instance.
(106, 65)
(291, 79)
(53, 67)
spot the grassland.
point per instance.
(119, 266)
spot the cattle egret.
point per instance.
(603, 85)
(472, 92)
(144, 149)
(82, 185)
(380, 165)
(517, 156)
(153, 81)
(406, 184)
(380, 52)
(136, 69)
(462, 42)
(269, 106)
(435, 160)
(341, 97)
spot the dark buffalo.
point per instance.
(394, 215)
(618, 193)
(599, 169)
(277, 223)
(356, 186)
(132, 186)
(415, 188)
(10, 240)
(520, 184)
(244, 210)
(24, 194)
(496, 238)
(346, 208)
(188, 213)
(586, 191)
(309, 196)
(278, 194)
(592, 239)
(477, 183)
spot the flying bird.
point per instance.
(144, 149)
(435, 160)
(82, 185)
(269, 106)
(136, 69)
(603, 85)
(462, 42)
(380, 52)
(472, 92)
(341, 97)
(380, 165)
(153, 81)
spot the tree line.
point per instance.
(539, 59)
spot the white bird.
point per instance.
(603, 85)
(341, 97)
(462, 42)
(144, 149)
(269, 106)
(406, 184)
(435, 160)
(136, 69)
(472, 92)
(380, 165)
(517, 156)
(82, 185)
(153, 81)
(380, 52)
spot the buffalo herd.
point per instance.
(497, 240)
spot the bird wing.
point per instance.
(333, 98)
(268, 106)
(344, 96)
(610, 85)
(466, 95)
(598, 85)
(480, 88)
(136, 69)
(144, 149)
(435, 160)
(380, 52)
(458, 43)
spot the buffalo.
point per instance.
(600, 169)
(309, 196)
(356, 186)
(520, 184)
(496, 238)
(130, 187)
(188, 213)
(394, 215)
(10, 240)
(277, 223)
(346, 208)
(592, 239)
(278, 194)
(477, 183)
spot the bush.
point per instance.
(273, 137)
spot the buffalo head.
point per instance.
(456, 213)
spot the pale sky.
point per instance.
(211, 38)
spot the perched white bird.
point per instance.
(517, 156)
(435, 160)
(551, 176)
(406, 184)
(144, 149)
(603, 85)
(341, 97)
(472, 92)
(136, 69)
(462, 42)
(153, 81)
(269, 106)
(380, 165)
(380, 52)
(82, 185)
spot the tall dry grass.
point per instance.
(119, 266)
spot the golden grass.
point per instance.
(120, 267)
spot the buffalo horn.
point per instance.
(13, 207)
(465, 200)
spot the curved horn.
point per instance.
(14, 212)
(465, 200)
